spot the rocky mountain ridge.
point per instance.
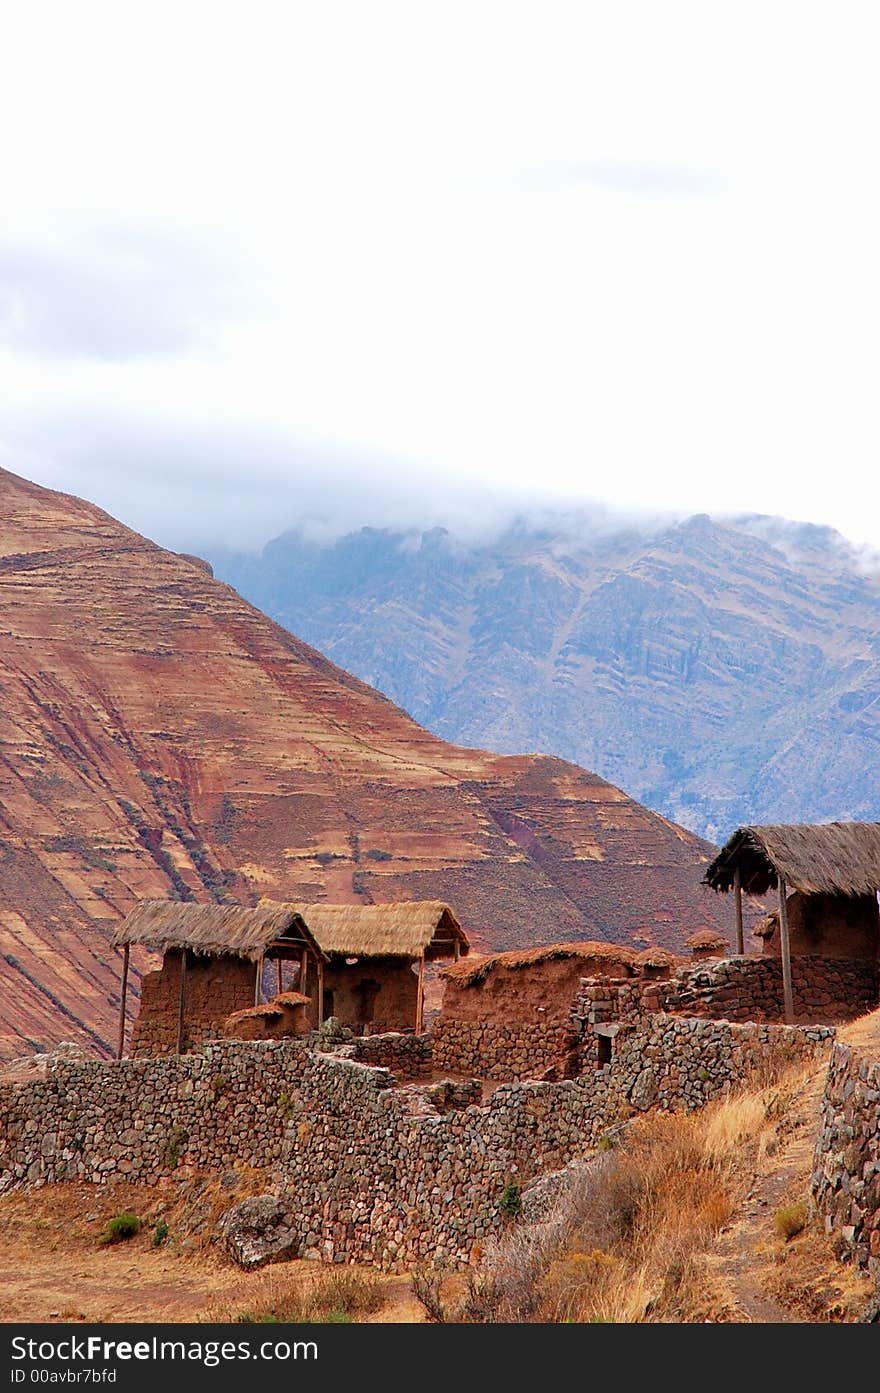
(720, 670)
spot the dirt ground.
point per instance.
(52, 1266)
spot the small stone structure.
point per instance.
(509, 1015)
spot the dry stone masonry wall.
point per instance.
(139, 1119)
(365, 1168)
(505, 1052)
(846, 1175)
(745, 989)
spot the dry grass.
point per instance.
(631, 1238)
(339, 1296)
(791, 1219)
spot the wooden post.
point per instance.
(420, 995)
(320, 992)
(180, 997)
(280, 981)
(121, 1041)
(303, 971)
(457, 950)
(258, 980)
(787, 998)
(738, 898)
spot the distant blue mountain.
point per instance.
(720, 671)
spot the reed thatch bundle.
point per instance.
(403, 930)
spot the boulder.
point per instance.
(258, 1230)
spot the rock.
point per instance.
(256, 1231)
(644, 1091)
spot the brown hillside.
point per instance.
(159, 737)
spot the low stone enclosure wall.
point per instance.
(750, 989)
(846, 1174)
(364, 1169)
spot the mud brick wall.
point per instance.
(141, 1119)
(495, 1051)
(407, 1056)
(215, 987)
(846, 1168)
(751, 989)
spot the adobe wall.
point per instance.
(846, 1168)
(394, 1006)
(830, 926)
(534, 994)
(215, 987)
(823, 988)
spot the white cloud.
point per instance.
(622, 252)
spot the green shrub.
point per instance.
(160, 1233)
(511, 1200)
(120, 1227)
(174, 1144)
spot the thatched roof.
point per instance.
(212, 928)
(475, 970)
(655, 957)
(766, 925)
(706, 938)
(837, 858)
(291, 999)
(403, 930)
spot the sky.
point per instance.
(418, 262)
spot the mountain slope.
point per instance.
(723, 672)
(159, 737)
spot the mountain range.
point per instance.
(723, 671)
(160, 737)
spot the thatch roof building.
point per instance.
(833, 868)
(354, 961)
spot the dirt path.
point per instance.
(770, 1279)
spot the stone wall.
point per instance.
(846, 1175)
(742, 989)
(407, 1056)
(142, 1118)
(367, 1170)
(505, 1052)
(374, 1173)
